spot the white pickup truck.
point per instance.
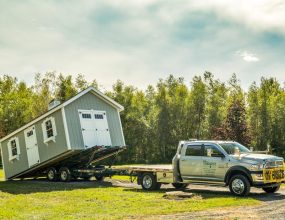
(224, 163)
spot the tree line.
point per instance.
(155, 119)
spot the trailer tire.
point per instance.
(99, 177)
(52, 174)
(149, 182)
(64, 174)
(180, 185)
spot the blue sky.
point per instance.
(141, 41)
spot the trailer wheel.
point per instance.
(180, 185)
(99, 177)
(149, 182)
(52, 174)
(64, 174)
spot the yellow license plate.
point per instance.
(273, 175)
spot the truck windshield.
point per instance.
(230, 147)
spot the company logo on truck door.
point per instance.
(209, 168)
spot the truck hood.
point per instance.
(257, 157)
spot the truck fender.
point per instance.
(237, 170)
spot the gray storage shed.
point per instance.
(88, 119)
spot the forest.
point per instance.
(155, 119)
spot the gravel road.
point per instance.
(272, 205)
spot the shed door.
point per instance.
(95, 129)
(32, 146)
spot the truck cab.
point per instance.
(226, 163)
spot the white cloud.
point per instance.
(247, 56)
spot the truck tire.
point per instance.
(271, 189)
(239, 185)
(180, 185)
(64, 174)
(52, 174)
(149, 182)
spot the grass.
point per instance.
(90, 200)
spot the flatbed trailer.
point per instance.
(73, 164)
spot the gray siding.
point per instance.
(88, 102)
(46, 151)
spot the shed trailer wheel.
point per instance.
(149, 182)
(52, 174)
(64, 174)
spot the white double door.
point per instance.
(95, 129)
(32, 146)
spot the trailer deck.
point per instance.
(73, 159)
(166, 168)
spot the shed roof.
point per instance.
(91, 89)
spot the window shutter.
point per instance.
(44, 131)
(18, 146)
(9, 150)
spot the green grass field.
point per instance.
(92, 200)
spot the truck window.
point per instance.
(213, 148)
(193, 150)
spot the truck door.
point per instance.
(214, 163)
(190, 162)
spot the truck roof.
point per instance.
(209, 141)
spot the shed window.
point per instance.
(13, 148)
(49, 129)
(98, 116)
(30, 133)
(84, 115)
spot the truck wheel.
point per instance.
(52, 174)
(271, 189)
(180, 185)
(239, 185)
(64, 174)
(149, 182)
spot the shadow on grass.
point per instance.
(208, 193)
(42, 185)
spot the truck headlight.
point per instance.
(255, 167)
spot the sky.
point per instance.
(140, 41)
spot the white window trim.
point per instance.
(45, 138)
(11, 158)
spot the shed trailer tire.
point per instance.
(99, 177)
(52, 174)
(149, 181)
(65, 174)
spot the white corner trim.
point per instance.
(121, 128)
(65, 128)
(3, 163)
